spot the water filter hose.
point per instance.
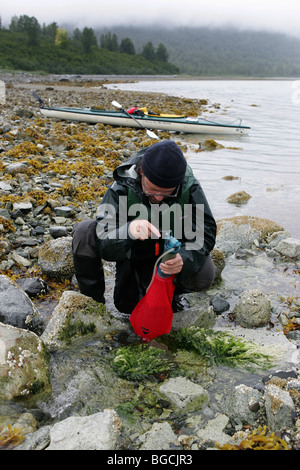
(171, 247)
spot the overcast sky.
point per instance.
(272, 15)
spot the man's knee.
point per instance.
(203, 279)
(206, 276)
(84, 241)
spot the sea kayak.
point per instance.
(163, 122)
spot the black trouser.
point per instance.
(87, 262)
(132, 277)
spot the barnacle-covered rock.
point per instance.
(24, 367)
(253, 309)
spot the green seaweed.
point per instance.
(136, 362)
(144, 404)
(141, 361)
(220, 347)
(78, 328)
(95, 308)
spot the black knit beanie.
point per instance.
(164, 164)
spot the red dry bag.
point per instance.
(131, 110)
(153, 315)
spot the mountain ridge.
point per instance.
(221, 51)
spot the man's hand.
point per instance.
(172, 266)
(142, 229)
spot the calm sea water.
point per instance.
(266, 162)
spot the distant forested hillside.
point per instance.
(28, 46)
(222, 52)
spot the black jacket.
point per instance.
(114, 241)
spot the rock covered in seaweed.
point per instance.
(77, 315)
(239, 198)
(210, 144)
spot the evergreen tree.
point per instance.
(162, 53)
(49, 31)
(28, 25)
(149, 52)
(88, 39)
(127, 46)
(110, 42)
(13, 26)
(77, 38)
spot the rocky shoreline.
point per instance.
(57, 347)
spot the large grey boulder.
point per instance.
(232, 236)
(99, 431)
(75, 315)
(243, 232)
(279, 408)
(16, 308)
